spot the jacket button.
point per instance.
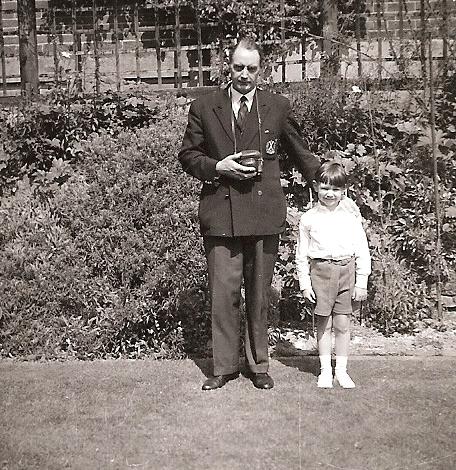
(227, 196)
(260, 193)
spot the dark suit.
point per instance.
(240, 219)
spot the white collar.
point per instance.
(323, 208)
(236, 96)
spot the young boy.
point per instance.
(333, 264)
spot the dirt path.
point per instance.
(431, 339)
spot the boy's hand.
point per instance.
(309, 294)
(359, 294)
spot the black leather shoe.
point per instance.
(218, 381)
(263, 381)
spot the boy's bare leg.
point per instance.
(324, 324)
(342, 340)
(342, 334)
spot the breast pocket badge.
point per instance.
(271, 147)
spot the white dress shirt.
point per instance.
(335, 235)
(236, 100)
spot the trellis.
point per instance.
(85, 36)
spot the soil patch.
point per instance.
(431, 338)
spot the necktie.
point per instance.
(243, 110)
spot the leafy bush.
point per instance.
(111, 264)
(36, 135)
(397, 299)
(387, 154)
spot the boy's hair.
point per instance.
(251, 45)
(332, 173)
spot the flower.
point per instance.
(356, 89)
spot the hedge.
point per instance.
(111, 264)
(100, 252)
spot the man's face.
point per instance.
(245, 69)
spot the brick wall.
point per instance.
(390, 17)
(63, 42)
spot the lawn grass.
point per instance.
(153, 415)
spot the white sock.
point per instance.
(341, 363)
(325, 363)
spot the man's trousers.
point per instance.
(231, 260)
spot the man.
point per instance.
(241, 211)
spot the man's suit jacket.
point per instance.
(255, 206)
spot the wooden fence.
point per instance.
(107, 47)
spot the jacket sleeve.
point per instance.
(193, 154)
(295, 147)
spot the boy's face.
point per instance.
(329, 195)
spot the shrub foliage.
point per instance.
(387, 152)
(107, 263)
(100, 248)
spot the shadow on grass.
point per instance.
(306, 364)
(204, 364)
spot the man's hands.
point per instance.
(232, 169)
(350, 206)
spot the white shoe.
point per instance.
(325, 380)
(344, 380)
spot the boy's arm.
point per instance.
(362, 258)
(302, 260)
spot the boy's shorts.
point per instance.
(333, 283)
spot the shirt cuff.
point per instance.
(213, 176)
(361, 281)
(305, 282)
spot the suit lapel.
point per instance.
(251, 129)
(223, 111)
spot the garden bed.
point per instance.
(432, 338)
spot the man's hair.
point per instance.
(251, 45)
(332, 173)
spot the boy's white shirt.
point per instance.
(337, 234)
